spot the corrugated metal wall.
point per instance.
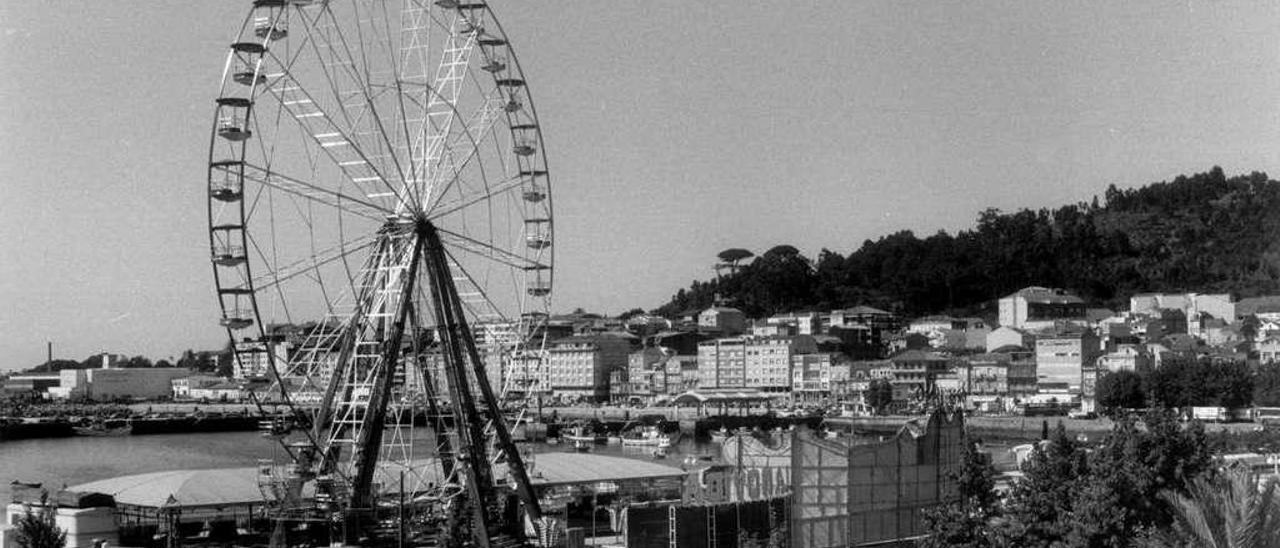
(711, 525)
(850, 496)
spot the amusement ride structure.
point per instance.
(377, 181)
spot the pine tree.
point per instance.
(966, 522)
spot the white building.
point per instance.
(252, 358)
(114, 384)
(1035, 308)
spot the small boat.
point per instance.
(582, 446)
(581, 432)
(109, 427)
(659, 454)
(645, 436)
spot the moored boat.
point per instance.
(109, 427)
(581, 432)
(645, 436)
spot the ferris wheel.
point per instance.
(380, 229)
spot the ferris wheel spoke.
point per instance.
(314, 193)
(262, 255)
(276, 277)
(440, 112)
(335, 142)
(476, 296)
(440, 209)
(468, 142)
(361, 97)
(492, 253)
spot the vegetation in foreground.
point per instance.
(1152, 482)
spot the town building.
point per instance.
(722, 363)
(1194, 306)
(805, 323)
(645, 375)
(722, 320)
(221, 392)
(1263, 308)
(1035, 308)
(1126, 357)
(762, 363)
(253, 358)
(879, 321)
(681, 374)
(1009, 336)
(579, 367)
(684, 343)
(31, 384)
(182, 386)
(524, 374)
(110, 384)
(915, 373)
(1062, 356)
(812, 376)
(1268, 350)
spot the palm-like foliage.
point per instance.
(1230, 510)
(37, 528)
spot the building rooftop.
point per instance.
(865, 310)
(1258, 305)
(918, 355)
(239, 486)
(1037, 294)
(722, 309)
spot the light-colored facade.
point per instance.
(116, 384)
(805, 323)
(222, 392)
(1268, 350)
(252, 358)
(646, 374)
(1062, 358)
(768, 363)
(1126, 357)
(579, 366)
(1035, 308)
(525, 374)
(722, 363)
(915, 373)
(1218, 305)
(762, 363)
(681, 374)
(813, 375)
(182, 386)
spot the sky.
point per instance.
(673, 130)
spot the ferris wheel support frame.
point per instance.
(506, 445)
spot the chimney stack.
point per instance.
(50, 346)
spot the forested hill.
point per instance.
(1203, 233)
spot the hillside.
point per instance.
(1203, 233)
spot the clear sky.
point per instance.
(674, 130)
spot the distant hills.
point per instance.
(1205, 233)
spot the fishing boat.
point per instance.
(581, 432)
(645, 436)
(107, 427)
